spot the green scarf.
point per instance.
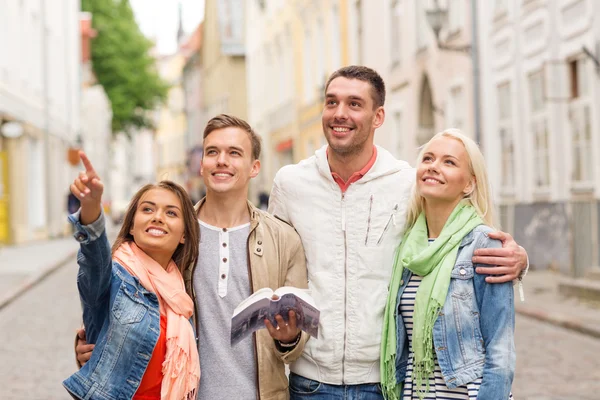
(434, 261)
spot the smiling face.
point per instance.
(158, 224)
(349, 117)
(227, 165)
(443, 173)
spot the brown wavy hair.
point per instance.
(186, 254)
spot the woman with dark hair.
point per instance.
(135, 308)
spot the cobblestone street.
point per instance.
(36, 339)
(37, 331)
(555, 363)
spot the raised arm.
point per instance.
(94, 258)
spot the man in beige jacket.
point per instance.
(242, 249)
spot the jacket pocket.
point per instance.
(379, 224)
(128, 307)
(461, 280)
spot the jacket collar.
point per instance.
(254, 212)
(385, 164)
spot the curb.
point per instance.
(559, 320)
(33, 279)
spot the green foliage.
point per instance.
(123, 64)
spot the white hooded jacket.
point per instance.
(349, 240)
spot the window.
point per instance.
(506, 138)
(578, 78)
(580, 123)
(398, 133)
(500, 5)
(456, 14)
(539, 130)
(395, 27)
(421, 24)
(308, 75)
(359, 31)
(336, 42)
(456, 108)
(320, 61)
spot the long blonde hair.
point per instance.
(480, 197)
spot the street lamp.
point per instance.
(437, 18)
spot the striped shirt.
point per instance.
(437, 386)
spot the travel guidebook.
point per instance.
(251, 313)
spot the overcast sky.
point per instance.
(158, 20)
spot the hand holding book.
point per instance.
(284, 332)
(283, 312)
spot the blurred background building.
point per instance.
(520, 76)
(40, 93)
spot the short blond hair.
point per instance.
(480, 197)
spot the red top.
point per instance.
(152, 380)
(355, 176)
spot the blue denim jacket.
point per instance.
(121, 318)
(474, 332)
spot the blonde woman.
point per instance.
(447, 333)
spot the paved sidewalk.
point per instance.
(22, 266)
(544, 302)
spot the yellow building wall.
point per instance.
(172, 124)
(223, 76)
(4, 193)
(311, 130)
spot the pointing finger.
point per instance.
(89, 168)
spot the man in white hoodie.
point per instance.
(348, 203)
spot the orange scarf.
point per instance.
(181, 368)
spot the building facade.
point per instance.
(171, 122)
(292, 47)
(542, 111)
(222, 59)
(39, 101)
(95, 109)
(192, 87)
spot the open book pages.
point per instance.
(250, 314)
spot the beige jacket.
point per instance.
(275, 258)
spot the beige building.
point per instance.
(428, 88)
(542, 126)
(171, 124)
(292, 47)
(39, 115)
(222, 59)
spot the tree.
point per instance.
(123, 64)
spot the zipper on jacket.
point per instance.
(345, 285)
(392, 219)
(254, 333)
(369, 219)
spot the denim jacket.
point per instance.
(121, 318)
(473, 335)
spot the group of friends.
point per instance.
(413, 281)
